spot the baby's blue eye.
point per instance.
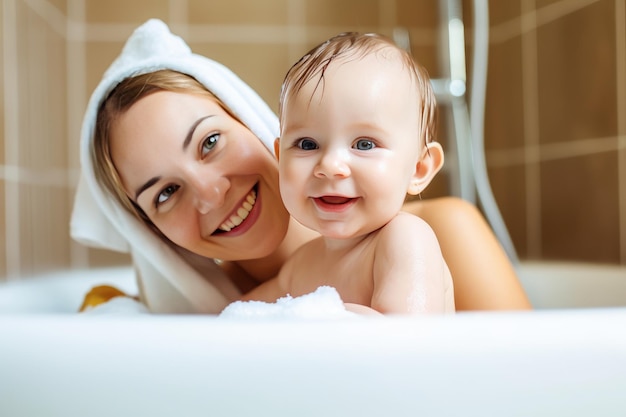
(165, 194)
(209, 143)
(306, 144)
(364, 145)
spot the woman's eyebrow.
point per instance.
(193, 129)
(147, 185)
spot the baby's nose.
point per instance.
(333, 164)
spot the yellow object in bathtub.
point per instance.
(99, 295)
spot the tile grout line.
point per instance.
(559, 10)
(531, 130)
(11, 130)
(178, 12)
(50, 177)
(508, 30)
(247, 33)
(296, 30)
(76, 71)
(553, 151)
(33, 38)
(49, 13)
(620, 53)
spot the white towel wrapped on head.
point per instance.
(167, 283)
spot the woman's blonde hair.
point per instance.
(120, 99)
(355, 45)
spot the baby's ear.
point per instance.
(277, 148)
(426, 168)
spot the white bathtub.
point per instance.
(573, 285)
(560, 360)
(62, 291)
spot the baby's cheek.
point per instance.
(289, 177)
(288, 191)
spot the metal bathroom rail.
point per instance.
(469, 178)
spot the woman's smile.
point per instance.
(242, 217)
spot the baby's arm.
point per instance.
(269, 291)
(410, 274)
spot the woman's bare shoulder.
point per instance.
(442, 208)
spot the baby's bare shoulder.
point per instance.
(406, 234)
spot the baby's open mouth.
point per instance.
(334, 199)
(240, 214)
(334, 203)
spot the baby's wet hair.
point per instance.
(354, 45)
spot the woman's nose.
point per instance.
(333, 164)
(208, 193)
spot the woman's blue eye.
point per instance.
(165, 194)
(364, 145)
(209, 143)
(306, 144)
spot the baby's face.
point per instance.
(349, 148)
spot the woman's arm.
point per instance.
(269, 292)
(484, 278)
(275, 288)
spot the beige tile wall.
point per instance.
(555, 117)
(556, 124)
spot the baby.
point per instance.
(357, 118)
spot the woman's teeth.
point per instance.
(241, 213)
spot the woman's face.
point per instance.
(204, 180)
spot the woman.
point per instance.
(178, 176)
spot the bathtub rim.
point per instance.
(609, 289)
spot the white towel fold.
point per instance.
(168, 284)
